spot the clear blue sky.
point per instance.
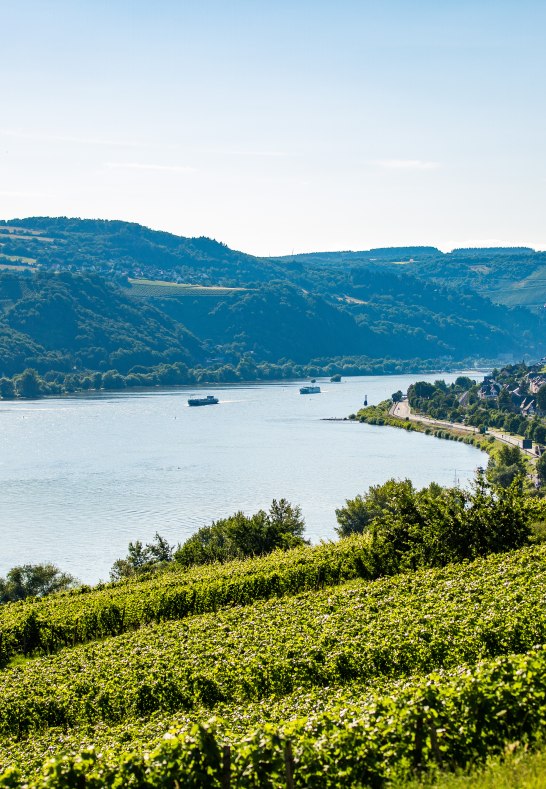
(280, 126)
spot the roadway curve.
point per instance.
(402, 410)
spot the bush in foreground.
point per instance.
(435, 526)
(240, 536)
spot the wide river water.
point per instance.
(82, 476)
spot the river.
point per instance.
(82, 476)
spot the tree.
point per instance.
(113, 380)
(358, 514)
(504, 400)
(422, 389)
(159, 550)
(539, 434)
(505, 466)
(435, 526)
(33, 580)
(140, 558)
(541, 468)
(396, 397)
(239, 535)
(464, 382)
(285, 523)
(7, 389)
(28, 384)
(138, 555)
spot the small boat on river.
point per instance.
(310, 390)
(208, 400)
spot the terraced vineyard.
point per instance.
(145, 288)
(530, 292)
(37, 626)
(345, 685)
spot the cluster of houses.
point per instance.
(521, 394)
(490, 389)
(536, 382)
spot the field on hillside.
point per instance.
(15, 230)
(529, 292)
(23, 234)
(14, 267)
(162, 289)
(291, 676)
(17, 259)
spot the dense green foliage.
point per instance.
(505, 466)
(236, 537)
(541, 468)
(419, 529)
(446, 719)
(31, 384)
(86, 614)
(240, 536)
(360, 635)
(143, 558)
(33, 580)
(434, 526)
(82, 311)
(71, 322)
(361, 513)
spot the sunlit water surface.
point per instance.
(80, 477)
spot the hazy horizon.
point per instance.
(281, 254)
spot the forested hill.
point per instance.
(71, 321)
(512, 275)
(373, 313)
(93, 294)
(116, 249)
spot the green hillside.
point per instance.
(348, 674)
(511, 276)
(115, 248)
(514, 276)
(68, 322)
(88, 296)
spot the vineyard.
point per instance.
(145, 288)
(38, 626)
(310, 679)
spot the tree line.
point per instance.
(31, 384)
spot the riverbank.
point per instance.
(403, 411)
(400, 415)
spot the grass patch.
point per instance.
(517, 768)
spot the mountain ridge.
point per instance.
(294, 310)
